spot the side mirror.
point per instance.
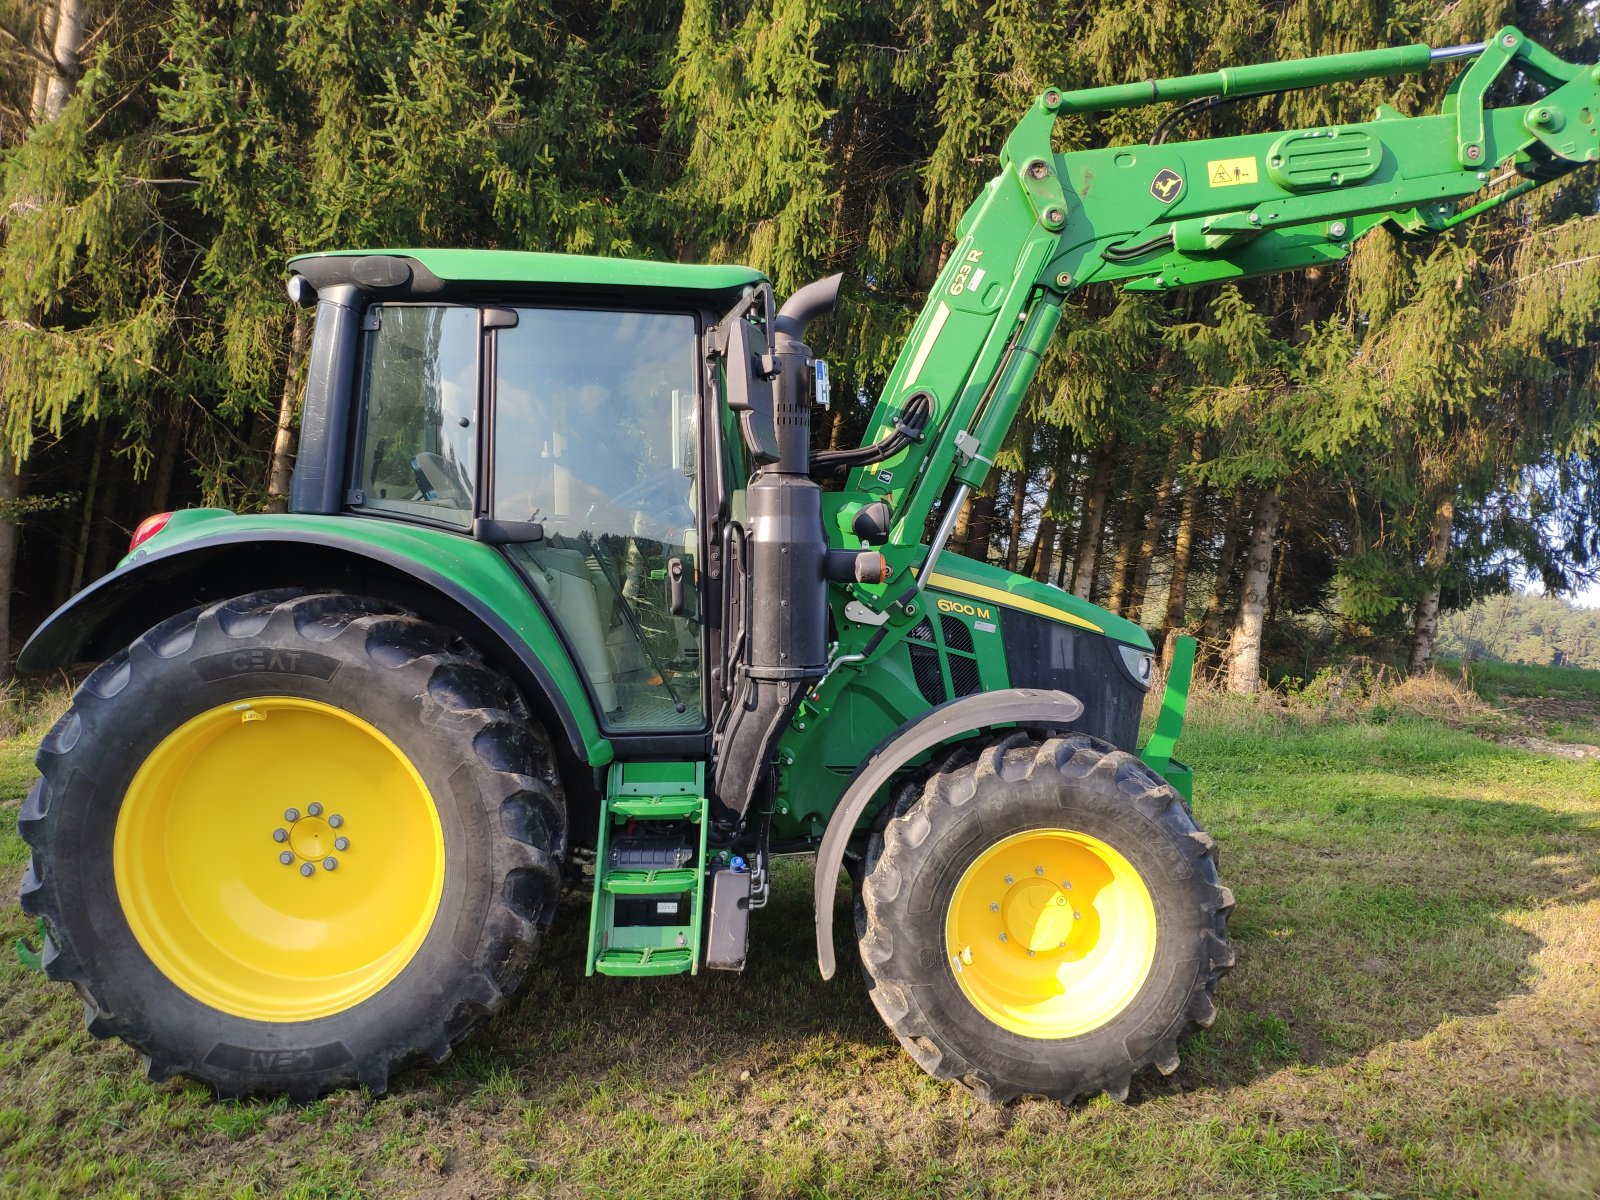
(750, 395)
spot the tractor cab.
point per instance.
(543, 405)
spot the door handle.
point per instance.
(675, 586)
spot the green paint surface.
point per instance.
(478, 568)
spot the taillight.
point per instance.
(147, 529)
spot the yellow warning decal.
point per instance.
(1229, 172)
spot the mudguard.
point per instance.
(452, 582)
(1031, 707)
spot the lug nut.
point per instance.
(341, 843)
(1038, 870)
(1004, 938)
(1009, 879)
(994, 908)
(313, 810)
(1030, 953)
(307, 870)
(336, 820)
(280, 835)
(1076, 915)
(329, 863)
(291, 815)
(286, 858)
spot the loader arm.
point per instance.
(1162, 216)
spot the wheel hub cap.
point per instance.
(311, 838)
(1036, 915)
(1050, 933)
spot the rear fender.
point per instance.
(1031, 708)
(116, 609)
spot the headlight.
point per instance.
(1141, 664)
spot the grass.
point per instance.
(1496, 679)
(1416, 1012)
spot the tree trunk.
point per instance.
(1019, 500)
(1280, 555)
(107, 537)
(283, 438)
(1426, 625)
(1151, 542)
(1122, 565)
(1182, 549)
(1093, 524)
(836, 429)
(42, 74)
(52, 87)
(1128, 528)
(1211, 622)
(962, 527)
(68, 41)
(81, 554)
(10, 493)
(1042, 551)
(980, 524)
(160, 491)
(1244, 654)
(1066, 502)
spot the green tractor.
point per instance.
(560, 603)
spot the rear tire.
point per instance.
(1043, 918)
(289, 842)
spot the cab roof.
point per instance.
(420, 272)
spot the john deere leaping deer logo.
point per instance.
(1166, 185)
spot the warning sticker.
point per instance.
(1229, 172)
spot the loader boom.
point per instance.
(1162, 216)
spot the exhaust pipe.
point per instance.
(787, 567)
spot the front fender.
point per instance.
(442, 577)
(1031, 707)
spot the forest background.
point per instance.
(1323, 461)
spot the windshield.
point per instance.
(594, 438)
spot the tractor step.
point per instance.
(658, 808)
(650, 871)
(652, 883)
(671, 961)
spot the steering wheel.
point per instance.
(659, 479)
(668, 485)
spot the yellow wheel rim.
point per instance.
(1050, 933)
(279, 859)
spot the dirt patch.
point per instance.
(1536, 717)
(1538, 745)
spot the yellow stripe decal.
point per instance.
(979, 591)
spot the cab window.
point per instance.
(419, 392)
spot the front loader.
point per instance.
(560, 602)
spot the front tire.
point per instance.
(290, 842)
(1044, 918)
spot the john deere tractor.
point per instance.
(560, 601)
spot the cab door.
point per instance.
(592, 434)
